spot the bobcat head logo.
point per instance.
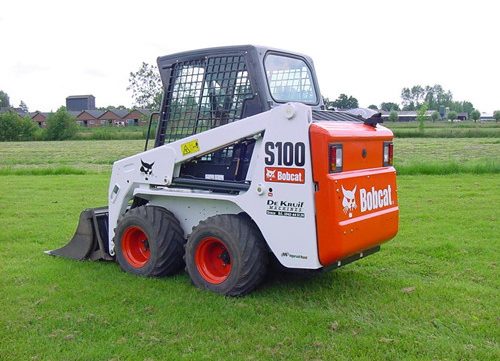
(270, 174)
(146, 168)
(349, 201)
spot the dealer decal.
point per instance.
(285, 208)
(285, 175)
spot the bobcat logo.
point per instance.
(146, 168)
(270, 174)
(349, 201)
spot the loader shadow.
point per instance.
(347, 281)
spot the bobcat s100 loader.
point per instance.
(247, 165)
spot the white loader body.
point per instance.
(288, 202)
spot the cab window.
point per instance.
(289, 79)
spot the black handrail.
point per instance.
(149, 128)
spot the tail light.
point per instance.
(388, 153)
(335, 158)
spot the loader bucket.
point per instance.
(90, 240)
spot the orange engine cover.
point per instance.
(357, 208)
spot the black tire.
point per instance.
(163, 250)
(240, 246)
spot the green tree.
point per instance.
(461, 106)
(435, 116)
(412, 97)
(393, 116)
(467, 107)
(146, 86)
(388, 106)
(343, 102)
(372, 106)
(421, 116)
(14, 127)
(61, 125)
(435, 96)
(23, 107)
(452, 115)
(4, 99)
(475, 115)
(111, 107)
(8, 126)
(496, 115)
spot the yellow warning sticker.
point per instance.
(190, 147)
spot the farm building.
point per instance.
(114, 117)
(40, 118)
(82, 107)
(89, 118)
(137, 117)
(18, 111)
(406, 115)
(80, 102)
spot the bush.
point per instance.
(496, 115)
(475, 115)
(452, 115)
(61, 125)
(13, 127)
(435, 116)
(421, 117)
(393, 116)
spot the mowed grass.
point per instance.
(429, 294)
(412, 156)
(445, 129)
(89, 156)
(447, 155)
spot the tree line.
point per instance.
(61, 125)
(435, 97)
(145, 85)
(420, 99)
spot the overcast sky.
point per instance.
(368, 49)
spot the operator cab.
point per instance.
(207, 88)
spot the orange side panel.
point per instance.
(357, 208)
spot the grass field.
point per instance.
(445, 129)
(412, 155)
(430, 294)
(439, 129)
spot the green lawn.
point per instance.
(430, 294)
(445, 129)
(440, 155)
(443, 124)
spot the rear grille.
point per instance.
(334, 115)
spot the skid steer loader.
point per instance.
(247, 165)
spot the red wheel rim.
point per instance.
(213, 260)
(135, 247)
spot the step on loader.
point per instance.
(247, 166)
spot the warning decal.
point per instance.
(190, 147)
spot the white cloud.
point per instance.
(23, 69)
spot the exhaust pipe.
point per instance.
(90, 240)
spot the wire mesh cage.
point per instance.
(205, 94)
